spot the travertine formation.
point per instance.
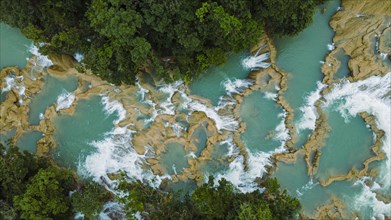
(363, 31)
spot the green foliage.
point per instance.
(250, 212)
(215, 203)
(153, 203)
(114, 19)
(285, 17)
(16, 168)
(89, 200)
(281, 204)
(134, 197)
(46, 195)
(209, 202)
(32, 188)
(119, 38)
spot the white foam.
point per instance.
(282, 134)
(170, 89)
(15, 83)
(232, 149)
(271, 96)
(245, 180)
(112, 210)
(40, 60)
(331, 46)
(226, 122)
(257, 162)
(22, 90)
(177, 128)
(145, 98)
(154, 113)
(384, 56)
(225, 102)
(235, 173)
(371, 95)
(191, 155)
(376, 186)
(114, 154)
(78, 56)
(141, 91)
(308, 186)
(65, 100)
(222, 122)
(367, 199)
(10, 82)
(174, 169)
(78, 216)
(309, 111)
(256, 62)
(236, 86)
(114, 106)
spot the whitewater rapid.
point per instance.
(371, 95)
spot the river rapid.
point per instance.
(312, 110)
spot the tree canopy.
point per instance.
(46, 196)
(33, 188)
(16, 168)
(210, 202)
(119, 38)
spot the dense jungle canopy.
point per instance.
(171, 38)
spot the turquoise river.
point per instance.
(227, 123)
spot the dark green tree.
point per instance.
(281, 204)
(250, 212)
(284, 17)
(173, 39)
(16, 168)
(209, 202)
(46, 195)
(90, 199)
(215, 203)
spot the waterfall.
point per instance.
(256, 62)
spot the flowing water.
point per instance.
(14, 47)
(14, 50)
(49, 94)
(91, 141)
(301, 57)
(210, 84)
(77, 134)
